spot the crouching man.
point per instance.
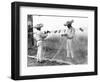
(39, 36)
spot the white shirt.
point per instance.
(39, 35)
(71, 33)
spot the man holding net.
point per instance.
(39, 36)
(69, 36)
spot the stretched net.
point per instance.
(54, 47)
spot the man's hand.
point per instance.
(43, 36)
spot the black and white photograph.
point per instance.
(53, 40)
(57, 40)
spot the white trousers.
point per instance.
(69, 49)
(40, 51)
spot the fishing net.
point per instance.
(54, 47)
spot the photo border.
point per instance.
(15, 40)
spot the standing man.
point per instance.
(39, 36)
(69, 35)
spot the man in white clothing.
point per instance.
(39, 36)
(69, 36)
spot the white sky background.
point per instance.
(57, 23)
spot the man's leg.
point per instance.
(72, 55)
(68, 49)
(39, 52)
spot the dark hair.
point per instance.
(39, 29)
(69, 26)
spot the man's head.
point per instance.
(69, 23)
(38, 26)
